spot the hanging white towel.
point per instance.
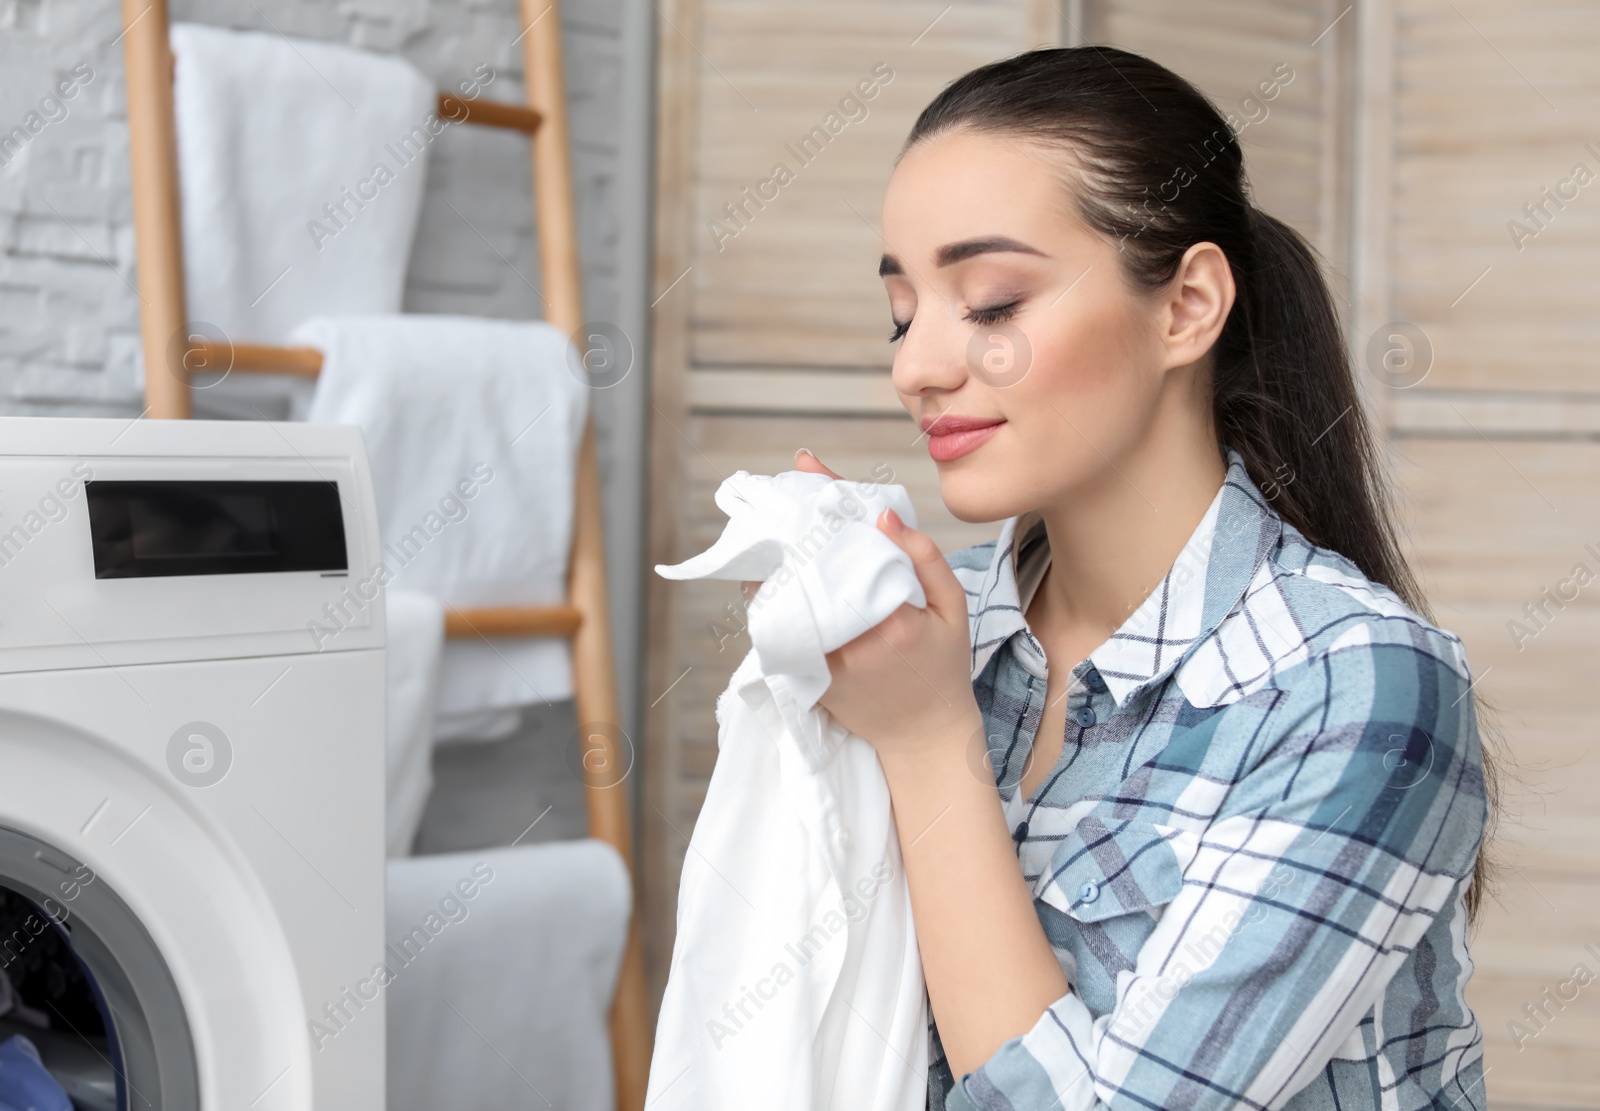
(795, 982)
(301, 168)
(504, 963)
(472, 428)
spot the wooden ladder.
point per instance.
(584, 617)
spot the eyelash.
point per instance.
(993, 315)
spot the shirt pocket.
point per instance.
(1103, 868)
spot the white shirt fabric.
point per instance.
(795, 982)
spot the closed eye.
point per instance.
(994, 314)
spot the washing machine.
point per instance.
(191, 763)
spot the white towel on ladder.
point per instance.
(503, 964)
(795, 982)
(472, 427)
(302, 167)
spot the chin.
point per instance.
(977, 494)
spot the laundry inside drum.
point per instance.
(49, 997)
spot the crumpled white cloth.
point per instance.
(795, 982)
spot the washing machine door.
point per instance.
(152, 903)
(77, 960)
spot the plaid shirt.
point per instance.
(1250, 859)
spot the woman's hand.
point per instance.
(906, 684)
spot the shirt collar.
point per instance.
(1202, 587)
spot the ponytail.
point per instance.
(1157, 167)
(1284, 397)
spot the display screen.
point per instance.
(153, 528)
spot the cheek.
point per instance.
(1087, 364)
(1087, 394)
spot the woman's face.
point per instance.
(1014, 322)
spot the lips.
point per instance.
(951, 437)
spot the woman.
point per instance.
(1240, 786)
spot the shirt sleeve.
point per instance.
(1362, 811)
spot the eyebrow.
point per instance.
(952, 253)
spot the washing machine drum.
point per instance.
(87, 987)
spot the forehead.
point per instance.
(964, 184)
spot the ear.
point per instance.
(1197, 301)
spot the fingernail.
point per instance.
(802, 451)
(894, 521)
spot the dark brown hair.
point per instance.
(1154, 164)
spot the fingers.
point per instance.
(945, 592)
(805, 461)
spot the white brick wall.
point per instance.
(69, 326)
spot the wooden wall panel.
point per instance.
(1494, 104)
(1492, 525)
(1488, 106)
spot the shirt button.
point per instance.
(1021, 830)
(1096, 683)
(1089, 892)
(841, 837)
(1084, 716)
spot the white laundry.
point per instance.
(302, 167)
(795, 982)
(472, 427)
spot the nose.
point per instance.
(932, 356)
